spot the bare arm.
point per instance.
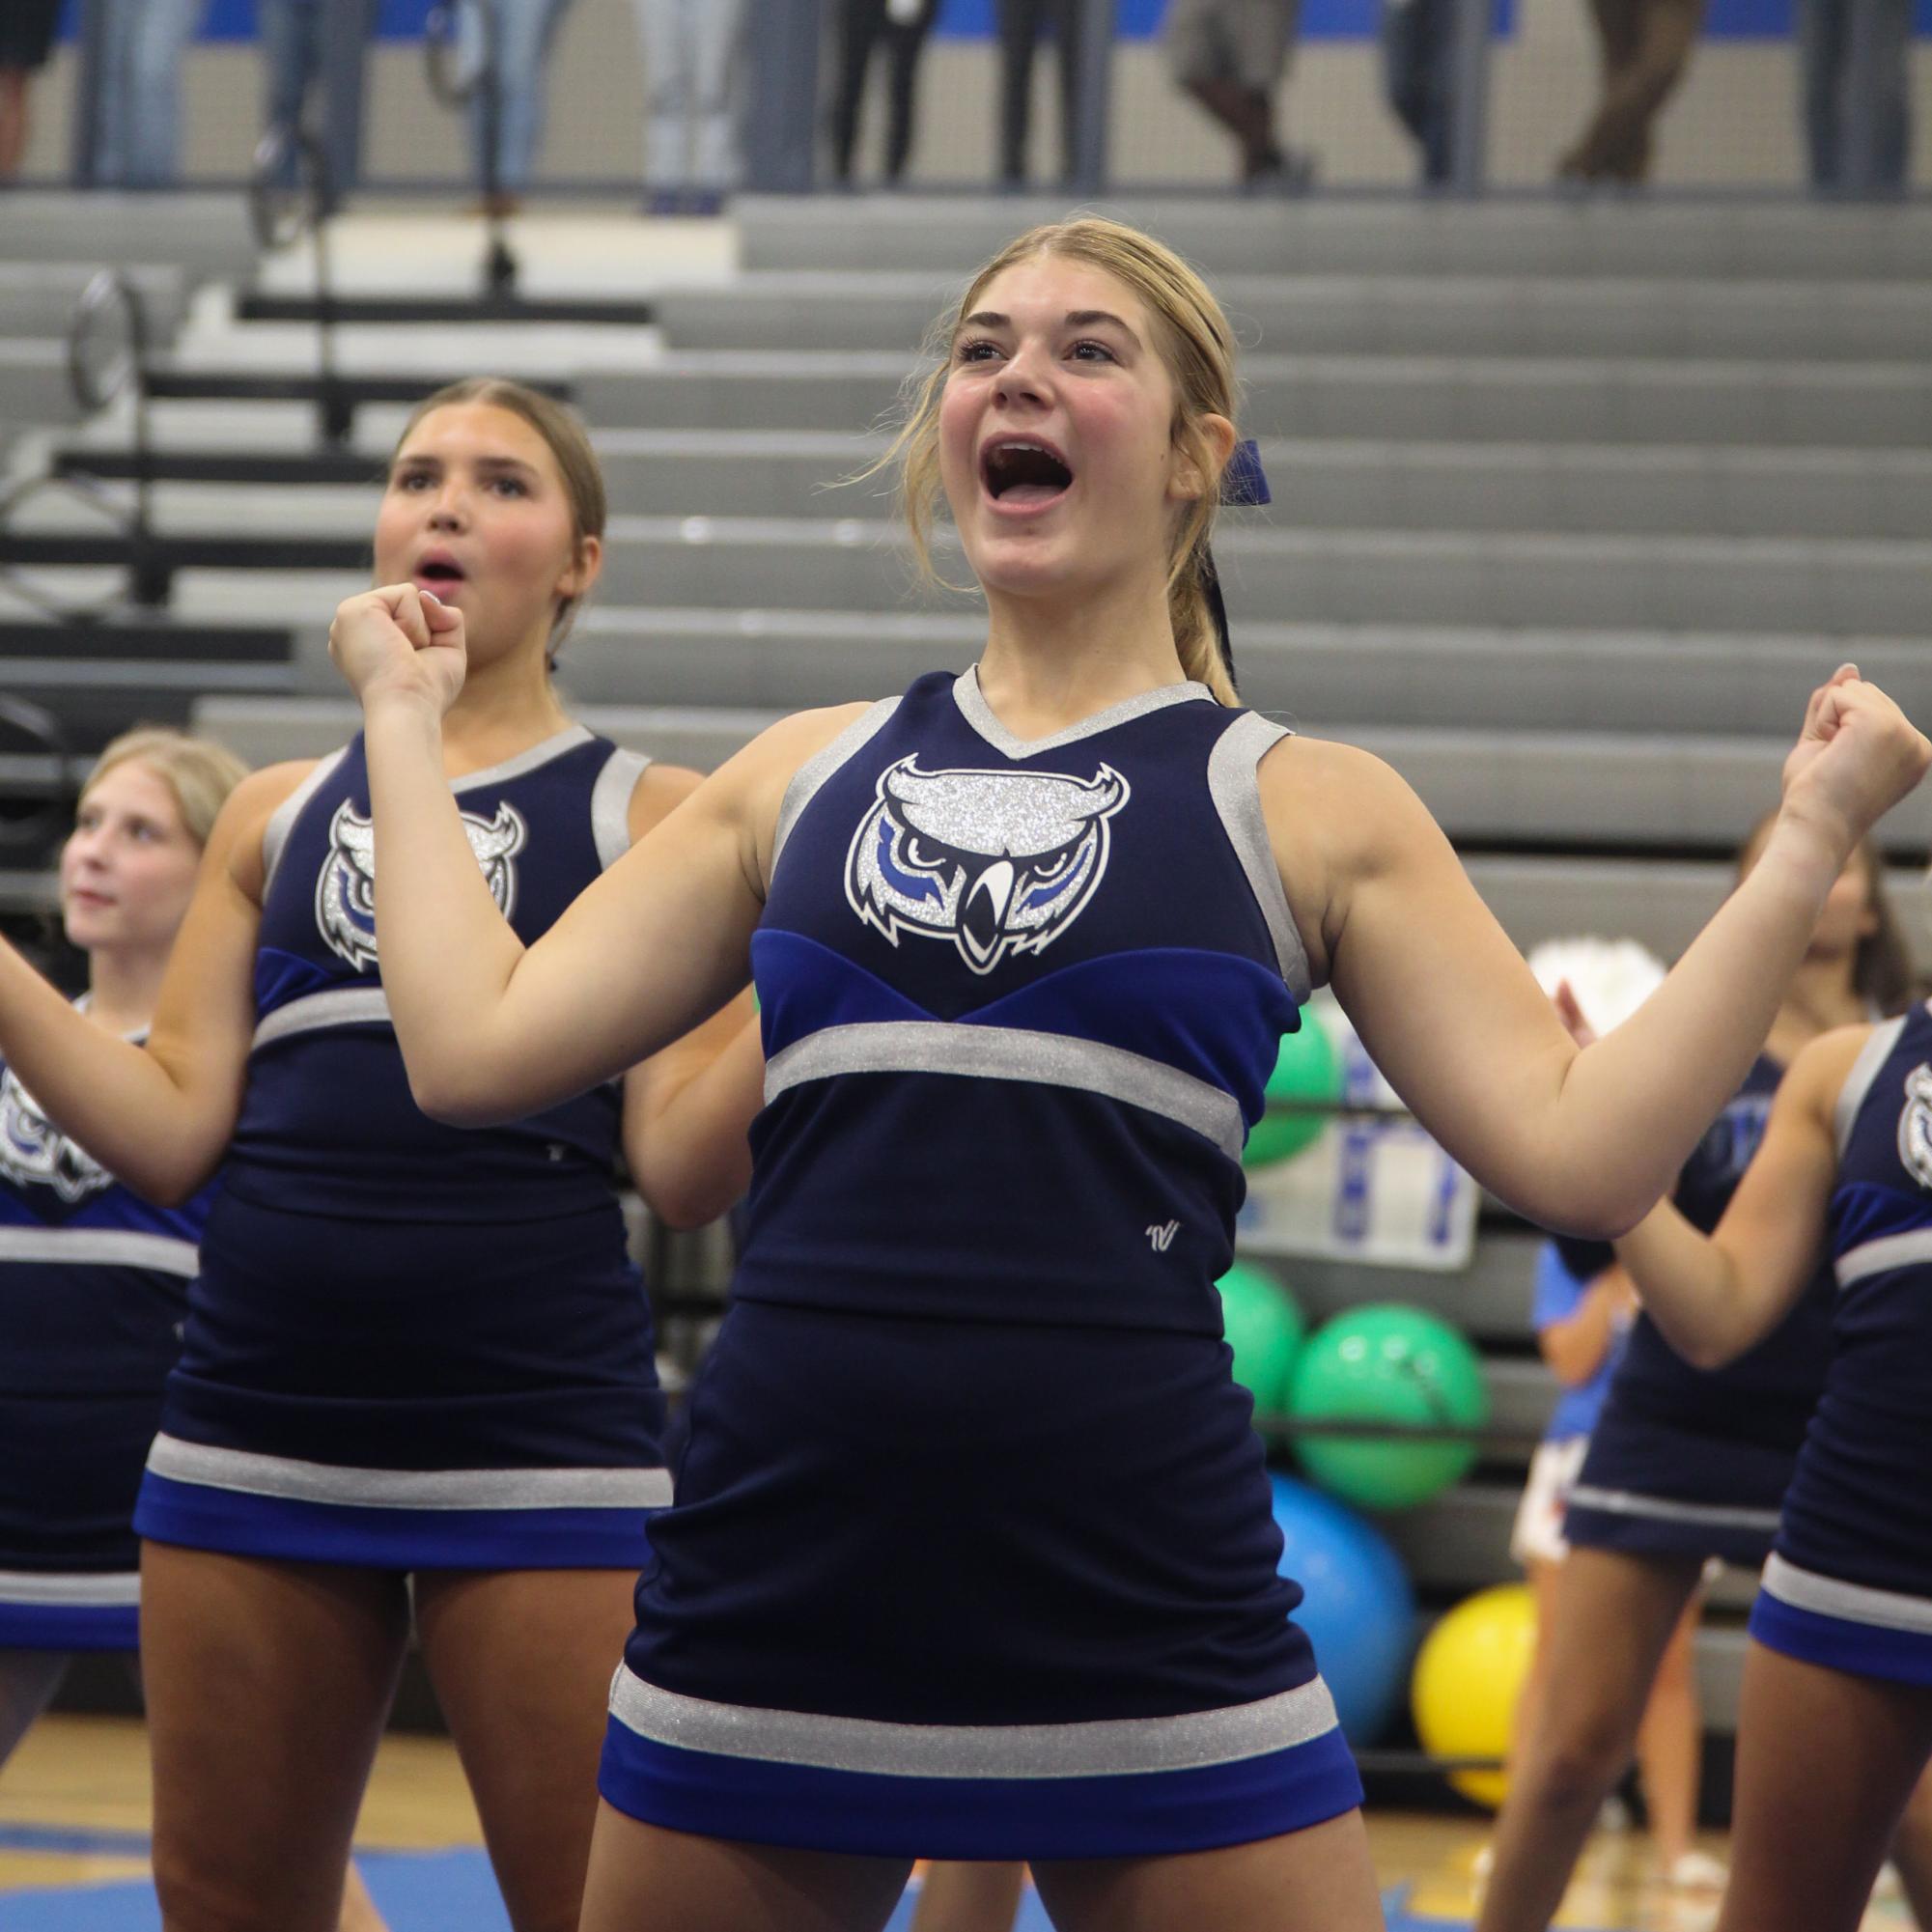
(491, 1030)
(1582, 1139)
(1575, 1346)
(160, 1116)
(1714, 1296)
(688, 1110)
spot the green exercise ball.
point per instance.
(1264, 1327)
(1387, 1363)
(1307, 1068)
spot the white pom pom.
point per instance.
(1612, 978)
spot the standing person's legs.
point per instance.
(1611, 1618)
(642, 1875)
(158, 46)
(28, 1681)
(267, 1687)
(860, 22)
(522, 1662)
(1618, 140)
(1618, 24)
(1019, 22)
(976, 1898)
(667, 88)
(524, 30)
(903, 46)
(287, 59)
(1320, 1877)
(1821, 58)
(1067, 31)
(1671, 1743)
(1875, 142)
(717, 30)
(1826, 1764)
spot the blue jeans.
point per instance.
(521, 31)
(295, 39)
(1419, 65)
(137, 126)
(690, 47)
(1855, 57)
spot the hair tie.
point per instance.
(1244, 481)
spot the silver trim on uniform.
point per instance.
(101, 1246)
(1663, 1509)
(112, 1589)
(341, 1006)
(807, 779)
(610, 803)
(1856, 1603)
(553, 746)
(281, 820)
(1873, 1057)
(1109, 1747)
(1011, 1053)
(1909, 1249)
(1235, 787)
(284, 1476)
(978, 714)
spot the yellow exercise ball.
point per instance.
(1469, 1679)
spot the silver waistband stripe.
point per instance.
(101, 1246)
(343, 1006)
(1856, 1603)
(1911, 1249)
(1128, 1747)
(1663, 1509)
(295, 1481)
(1009, 1053)
(115, 1589)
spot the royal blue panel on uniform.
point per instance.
(967, 1461)
(92, 1290)
(1695, 1463)
(1858, 1518)
(411, 1344)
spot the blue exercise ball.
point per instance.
(1358, 1610)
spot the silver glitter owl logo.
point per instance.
(998, 862)
(345, 889)
(34, 1153)
(1914, 1126)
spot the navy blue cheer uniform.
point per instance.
(973, 1555)
(1689, 1462)
(1849, 1585)
(412, 1345)
(93, 1288)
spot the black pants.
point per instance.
(863, 25)
(1021, 25)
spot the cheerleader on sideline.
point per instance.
(411, 1356)
(1025, 942)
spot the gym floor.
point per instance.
(73, 1824)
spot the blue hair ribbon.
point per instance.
(1244, 487)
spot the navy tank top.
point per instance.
(92, 1280)
(328, 1125)
(1767, 1395)
(1020, 1003)
(1860, 1507)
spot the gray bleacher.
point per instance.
(1574, 505)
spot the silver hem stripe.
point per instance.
(1662, 1509)
(101, 1246)
(610, 804)
(553, 746)
(1872, 1055)
(812, 774)
(1010, 1054)
(1911, 1249)
(116, 1589)
(346, 1006)
(978, 714)
(1856, 1603)
(1115, 1747)
(282, 820)
(295, 1481)
(1236, 789)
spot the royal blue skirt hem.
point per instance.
(70, 1627)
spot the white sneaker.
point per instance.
(1696, 1871)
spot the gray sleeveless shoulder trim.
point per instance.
(610, 803)
(1872, 1055)
(282, 821)
(1233, 785)
(820, 767)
